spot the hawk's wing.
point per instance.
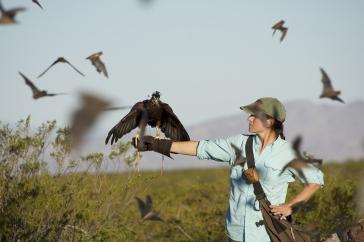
(171, 126)
(126, 124)
(326, 81)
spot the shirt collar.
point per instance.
(257, 143)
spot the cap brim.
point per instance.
(246, 109)
(250, 109)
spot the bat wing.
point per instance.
(100, 66)
(326, 81)
(55, 62)
(141, 206)
(74, 68)
(278, 25)
(12, 12)
(36, 2)
(30, 83)
(284, 33)
(57, 94)
(296, 145)
(148, 203)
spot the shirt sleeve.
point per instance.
(220, 149)
(311, 173)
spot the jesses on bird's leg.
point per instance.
(137, 159)
(157, 136)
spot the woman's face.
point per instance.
(259, 124)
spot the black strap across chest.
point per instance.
(258, 190)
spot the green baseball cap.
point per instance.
(269, 105)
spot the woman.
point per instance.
(271, 154)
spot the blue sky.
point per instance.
(207, 58)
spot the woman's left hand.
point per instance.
(282, 210)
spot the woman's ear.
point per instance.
(270, 122)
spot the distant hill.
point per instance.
(334, 132)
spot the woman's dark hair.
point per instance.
(278, 128)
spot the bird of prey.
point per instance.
(146, 210)
(85, 117)
(301, 161)
(157, 113)
(279, 26)
(36, 92)
(99, 65)
(328, 91)
(36, 2)
(60, 60)
(8, 16)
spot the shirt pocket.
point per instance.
(273, 174)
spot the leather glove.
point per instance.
(149, 143)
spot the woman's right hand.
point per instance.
(147, 143)
(144, 143)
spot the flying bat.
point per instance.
(146, 210)
(328, 91)
(8, 16)
(300, 161)
(36, 92)
(85, 117)
(61, 60)
(279, 26)
(99, 65)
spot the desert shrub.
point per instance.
(80, 202)
(335, 205)
(69, 204)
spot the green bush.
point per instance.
(36, 205)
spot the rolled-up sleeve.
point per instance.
(219, 149)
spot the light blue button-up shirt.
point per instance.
(243, 212)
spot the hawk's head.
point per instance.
(155, 96)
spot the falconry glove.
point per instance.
(149, 143)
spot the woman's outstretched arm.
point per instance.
(185, 148)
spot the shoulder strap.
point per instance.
(258, 190)
(249, 152)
